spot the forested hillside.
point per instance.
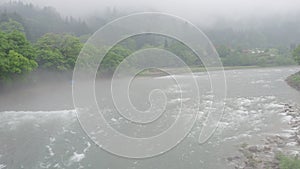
(34, 38)
(39, 21)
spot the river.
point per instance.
(40, 129)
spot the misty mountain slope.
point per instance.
(38, 21)
(281, 31)
(276, 30)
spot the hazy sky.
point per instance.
(201, 10)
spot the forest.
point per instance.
(39, 39)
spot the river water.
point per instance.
(35, 137)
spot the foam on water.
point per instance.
(246, 117)
(76, 158)
(260, 82)
(12, 119)
(66, 146)
(51, 153)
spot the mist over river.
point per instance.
(39, 126)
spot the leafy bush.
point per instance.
(288, 162)
(294, 80)
(267, 59)
(296, 54)
(16, 55)
(57, 52)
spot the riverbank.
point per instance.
(278, 151)
(294, 81)
(156, 72)
(40, 78)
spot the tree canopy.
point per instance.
(17, 55)
(296, 54)
(57, 52)
(39, 21)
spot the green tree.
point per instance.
(39, 21)
(296, 54)
(58, 52)
(223, 51)
(184, 52)
(11, 26)
(50, 60)
(286, 162)
(113, 58)
(18, 42)
(16, 55)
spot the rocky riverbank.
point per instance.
(294, 81)
(266, 155)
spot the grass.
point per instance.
(286, 162)
(294, 81)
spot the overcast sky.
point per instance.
(196, 10)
